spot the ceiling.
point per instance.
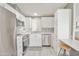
(42, 9)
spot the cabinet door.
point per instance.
(35, 40)
(47, 22)
(56, 45)
(63, 23)
(36, 24)
(28, 24)
(19, 46)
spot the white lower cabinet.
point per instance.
(19, 46)
(56, 44)
(35, 40)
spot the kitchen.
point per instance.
(42, 31)
(39, 29)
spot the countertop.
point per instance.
(72, 43)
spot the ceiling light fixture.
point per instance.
(35, 14)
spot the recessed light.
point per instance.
(35, 14)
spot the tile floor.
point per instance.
(44, 51)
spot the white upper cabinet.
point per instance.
(36, 24)
(27, 24)
(63, 17)
(47, 22)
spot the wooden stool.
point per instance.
(66, 49)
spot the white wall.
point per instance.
(7, 32)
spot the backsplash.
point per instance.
(47, 29)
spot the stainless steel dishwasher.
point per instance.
(46, 40)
